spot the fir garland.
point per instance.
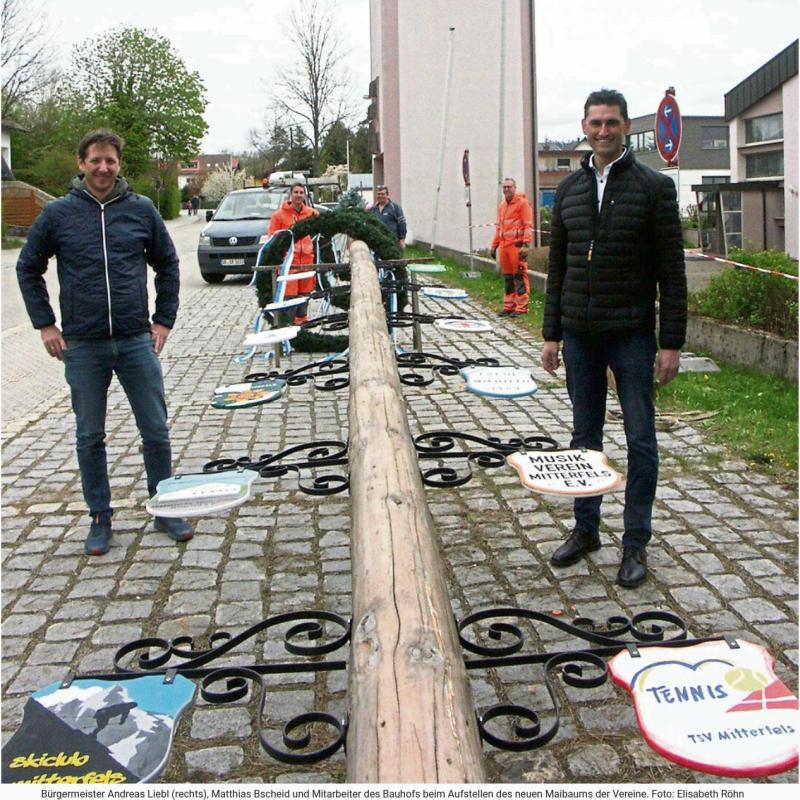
(355, 223)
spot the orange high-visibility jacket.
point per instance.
(514, 227)
(283, 219)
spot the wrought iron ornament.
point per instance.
(491, 639)
(442, 447)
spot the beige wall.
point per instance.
(411, 139)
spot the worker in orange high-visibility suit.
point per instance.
(293, 210)
(513, 231)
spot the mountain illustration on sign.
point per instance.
(135, 738)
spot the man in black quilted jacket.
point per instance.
(104, 236)
(616, 248)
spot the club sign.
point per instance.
(96, 731)
(574, 473)
(462, 325)
(195, 495)
(499, 381)
(444, 293)
(714, 707)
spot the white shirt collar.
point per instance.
(604, 173)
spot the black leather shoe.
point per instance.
(575, 548)
(504, 313)
(633, 570)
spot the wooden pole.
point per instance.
(411, 716)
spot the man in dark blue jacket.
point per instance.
(616, 246)
(390, 214)
(104, 236)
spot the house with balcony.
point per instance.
(758, 209)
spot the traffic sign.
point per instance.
(465, 167)
(668, 128)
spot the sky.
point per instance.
(701, 47)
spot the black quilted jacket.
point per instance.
(102, 253)
(607, 268)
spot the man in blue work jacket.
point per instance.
(390, 214)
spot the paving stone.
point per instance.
(696, 598)
(35, 677)
(92, 588)
(53, 653)
(127, 609)
(594, 760)
(226, 723)
(755, 609)
(729, 586)
(759, 567)
(22, 624)
(704, 563)
(181, 604)
(216, 761)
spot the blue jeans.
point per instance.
(88, 366)
(631, 358)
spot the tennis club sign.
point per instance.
(713, 706)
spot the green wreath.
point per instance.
(355, 223)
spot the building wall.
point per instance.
(785, 99)
(412, 39)
(695, 162)
(6, 146)
(791, 164)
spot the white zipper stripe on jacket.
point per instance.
(105, 254)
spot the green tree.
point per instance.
(334, 147)
(45, 152)
(360, 156)
(277, 147)
(133, 80)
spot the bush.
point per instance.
(753, 299)
(537, 259)
(53, 173)
(170, 201)
(167, 201)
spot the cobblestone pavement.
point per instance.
(724, 556)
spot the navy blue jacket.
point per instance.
(392, 217)
(102, 253)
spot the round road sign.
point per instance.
(668, 129)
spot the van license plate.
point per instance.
(232, 262)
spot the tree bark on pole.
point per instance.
(411, 716)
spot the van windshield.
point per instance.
(249, 205)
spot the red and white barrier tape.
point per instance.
(739, 265)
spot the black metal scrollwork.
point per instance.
(439, 365)
(491, 453)
(327, 374)
(306, 637)
(329, 322)
(577, 668)
(296, 459)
